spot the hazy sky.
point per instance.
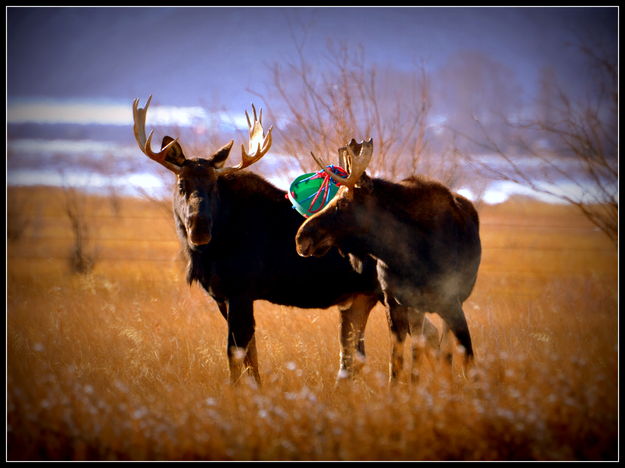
(185, 56)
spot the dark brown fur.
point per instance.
(237, 231)
(424, 238)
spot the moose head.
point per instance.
(196, 194)
(335, 221)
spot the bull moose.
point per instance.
(237, 231)
(424, 238)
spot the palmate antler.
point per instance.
(258, 144)
(139, 115)
(258, 141)
(357, 163)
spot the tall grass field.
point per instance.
(125, 361)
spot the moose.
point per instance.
(423, 237)
(237, 231)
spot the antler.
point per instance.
(357, 163)
(139, 114)
(258, 141)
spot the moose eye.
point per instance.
(342, 204)
(181, 187)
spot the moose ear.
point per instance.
(365, 183)
(174, 154)
(356, 263)
(219, 158)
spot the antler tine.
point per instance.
(338, 179)
(357, 164)
(258, 144)
(139, 122)
(145, 144)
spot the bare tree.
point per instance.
(19, 216)
(571, 141)
(82, 255)
(326, 105)
(115, 199)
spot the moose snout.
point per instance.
(309, 242)
(304, 241)
(303, 246)
(199, 231)
(199, 239)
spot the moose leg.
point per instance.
(454, 319)
(399, 325)
(251, 360)
(352, 330)
(423, 333)
(430, 332)
(223, 308)
(446, 344)
(242, 355)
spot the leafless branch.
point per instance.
(582, 150)
(350, 99)
(82, 256)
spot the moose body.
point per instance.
(252, 255)
(252, 251)
(423, 237)
(237, 231)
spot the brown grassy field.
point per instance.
(128, 363)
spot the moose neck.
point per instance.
(381, 227)
(247, 202)
(246, 190)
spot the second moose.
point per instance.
(423, 237)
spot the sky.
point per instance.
(73, 72)
(189, 55)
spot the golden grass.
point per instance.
(128, 362)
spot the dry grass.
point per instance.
(128, 363)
